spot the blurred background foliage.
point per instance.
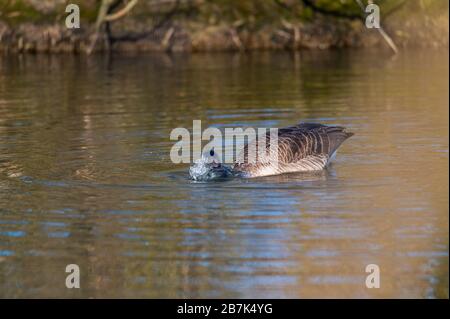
(247, 23)
(252, 11)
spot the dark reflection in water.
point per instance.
(85, 177)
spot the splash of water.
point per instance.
(204, 169)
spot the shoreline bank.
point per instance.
(204, 31)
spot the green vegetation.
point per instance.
(227, 24)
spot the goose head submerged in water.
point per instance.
(305, 147)
(209, 167)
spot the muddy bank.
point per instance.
(198, 25)
(178, 37)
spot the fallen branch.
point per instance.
(121, 13)
(296, 31)
(383, 33)
(105, 16)
(167, 37)
(236, 40)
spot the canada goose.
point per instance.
(301, 148)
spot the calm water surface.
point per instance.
(85, 177)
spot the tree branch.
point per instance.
(104, 15)
(383, 33)
(121, 13)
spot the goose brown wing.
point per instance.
(303, 147)
(303, 140)
(309, 139)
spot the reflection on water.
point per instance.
(85, 177)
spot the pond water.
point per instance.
(86, 177)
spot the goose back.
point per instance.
(303, 147)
